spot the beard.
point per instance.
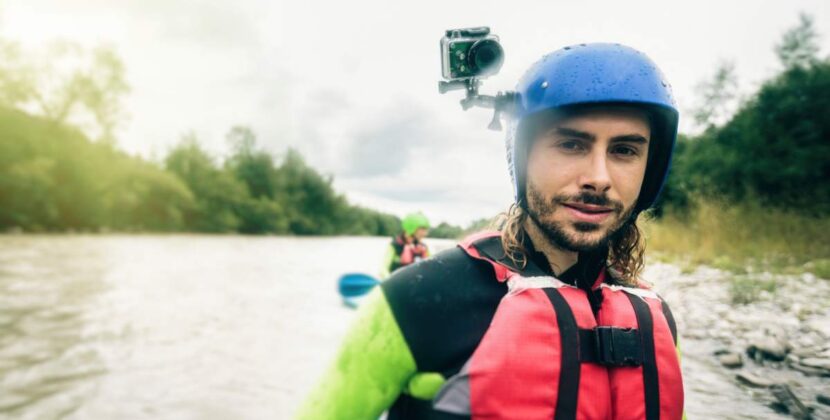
(580, 239)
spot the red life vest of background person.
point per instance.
(549, 355)
(408, 253)
(407, 248)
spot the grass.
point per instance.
(747, 289)
(743, 238)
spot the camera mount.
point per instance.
(503, 102)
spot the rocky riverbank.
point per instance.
(762, 337)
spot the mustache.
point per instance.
(589, 198)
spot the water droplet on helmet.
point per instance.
(544, 84)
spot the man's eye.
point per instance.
(624, 151)
(571, 145)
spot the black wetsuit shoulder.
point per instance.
(443, 306)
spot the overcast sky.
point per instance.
(353, 84)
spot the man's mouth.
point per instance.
(588, 213)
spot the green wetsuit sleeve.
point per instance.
(677, 348)
(388, 260)
(372, 368)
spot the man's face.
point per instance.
(420, 233)
(584, 175)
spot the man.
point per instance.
(407, 247)
(546, 318)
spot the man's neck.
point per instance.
(558, 258)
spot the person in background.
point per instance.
(407, 247)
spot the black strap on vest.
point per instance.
(670, 319)
(569, 365)
(492, 249)
(651, 385)
(611, 346)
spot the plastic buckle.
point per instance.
(619, 346)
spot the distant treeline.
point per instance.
(52, 178)
(775, 149)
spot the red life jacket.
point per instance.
(547, 356)
(409, 252)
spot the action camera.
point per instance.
(470, 53)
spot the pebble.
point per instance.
(816, 362)
(731, 360)
(787, 398)
(754, 380)
(809, 371)
(767, 348)
(805, 352)
(821, 326)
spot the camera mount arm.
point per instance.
(501, 103)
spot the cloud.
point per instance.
(215, 24)
(412, 158)
(393, 140)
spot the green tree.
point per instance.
(251, 166)
(217, 193)
(260, 213)
(446, 230)
(16, 76)
(66, 83)
(52, 177)
(774, 149)
(140, 196)
(717, 96)
(315, 207)
(799, 45)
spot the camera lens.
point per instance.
(485, 57)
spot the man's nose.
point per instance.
(595, 176)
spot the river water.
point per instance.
(201, 327)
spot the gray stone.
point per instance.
(777, 331)
(787, 398)
(806, 352)
(754, 380)
(816, 363)
(821, 326)
(792, 359)
(767, 348)
(731, 360)
(808, 339)
(809, 371)
(696, 334)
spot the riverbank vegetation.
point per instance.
(742, 236)
(53, 178)
(752, 191)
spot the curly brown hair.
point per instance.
(626, 247)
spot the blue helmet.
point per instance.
(587, 74)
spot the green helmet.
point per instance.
(413, 221)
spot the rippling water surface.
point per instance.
(197, 327)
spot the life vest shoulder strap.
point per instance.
(486, 246)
